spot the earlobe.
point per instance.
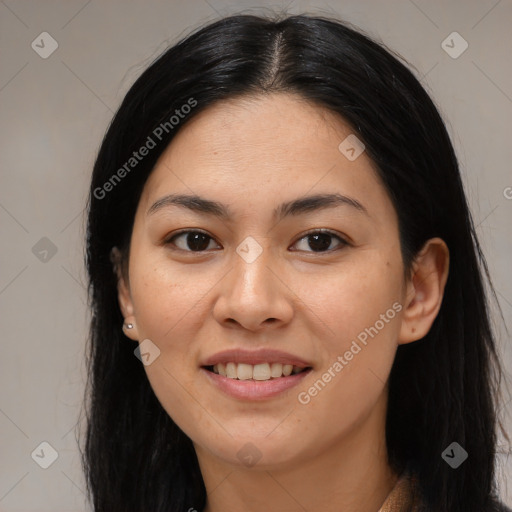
(425, 290)
(124, 297)
(129, 329)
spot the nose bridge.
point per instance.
(253, 294)
(252, 278)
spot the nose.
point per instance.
(254, 295)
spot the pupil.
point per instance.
(321, 241)
(197, 241)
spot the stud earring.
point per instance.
(127, 326)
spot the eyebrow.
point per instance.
(299, 206)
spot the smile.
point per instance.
(251, 388)
(259, 372)
(254, 374)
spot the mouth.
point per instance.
(254, 374)
(257, 372)
(255, 382)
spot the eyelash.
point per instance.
(343, 241)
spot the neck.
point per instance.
(352, 475)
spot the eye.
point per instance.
(320, 241)
(191, 241)
(199, 241)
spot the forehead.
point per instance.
(275, 126)
(259, 147)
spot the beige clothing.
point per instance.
(402, 497)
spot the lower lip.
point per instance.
(254, 389)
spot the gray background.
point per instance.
(54, 112)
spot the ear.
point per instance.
(124, 295)
(425, 290)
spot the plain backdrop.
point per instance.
(54, 112)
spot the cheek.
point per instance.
(168, 312)
(164, 300)
(354, 297)
(356, 367)
(358, 311)
(164, 309)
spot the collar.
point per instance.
(403, 497)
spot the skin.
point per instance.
(252, 154)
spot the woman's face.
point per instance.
(297, 262)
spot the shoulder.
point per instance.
(419, 504)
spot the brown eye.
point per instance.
(198, 241)
(191, 241)
(321, 241)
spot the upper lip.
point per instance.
(255, 357)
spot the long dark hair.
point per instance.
(442, 388)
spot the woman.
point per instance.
(288, 300)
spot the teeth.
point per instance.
(263, 371)
(276, 370)
(221, 369)
(244, 371)
(231, 371)
(287, 369)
